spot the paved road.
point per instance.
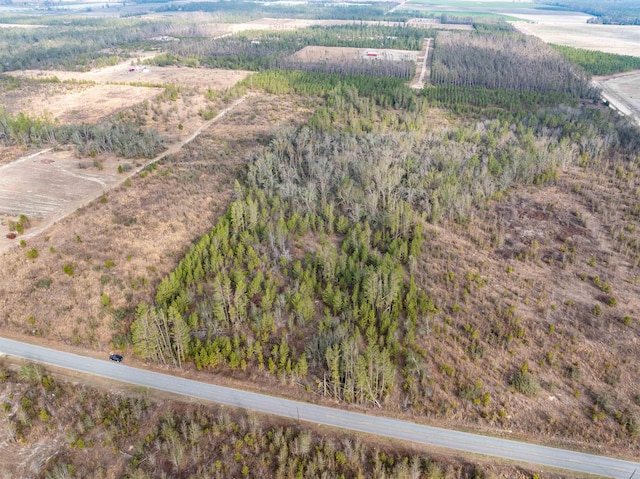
(515, 451)
(611, 92)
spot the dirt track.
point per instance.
(48, 186)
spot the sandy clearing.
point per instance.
(345, 54)
(89, 105)
(152, 75)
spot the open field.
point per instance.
(552, 17)
(121, 74)
(345, 54)
(48, 185)
(619, 39)
(84, 103)
(110, 90)
(484, 9)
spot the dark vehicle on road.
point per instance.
(115, 357)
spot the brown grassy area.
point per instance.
(47, 186)
(554, 260)
(347, 54)
(619, 39)
(77, 97)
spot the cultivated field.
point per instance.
(619, 39)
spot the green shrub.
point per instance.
(105, 300)
(32, 253)
(526, 383)
(68, 269)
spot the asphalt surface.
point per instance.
(521, 453)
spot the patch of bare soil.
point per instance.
(136, 75)
(347, 54)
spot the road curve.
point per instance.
(512, 450)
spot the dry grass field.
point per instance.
(619, 39)
(345, 54)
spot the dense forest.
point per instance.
(505, 60)
(611, 12)
(599, 63)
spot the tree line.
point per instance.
(245, 11)
(505, 61)
(125, 139)
(78, 44)
(608, 12)
(271, 50)
(599, 63)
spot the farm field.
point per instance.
(480, 9)
(619, 39)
